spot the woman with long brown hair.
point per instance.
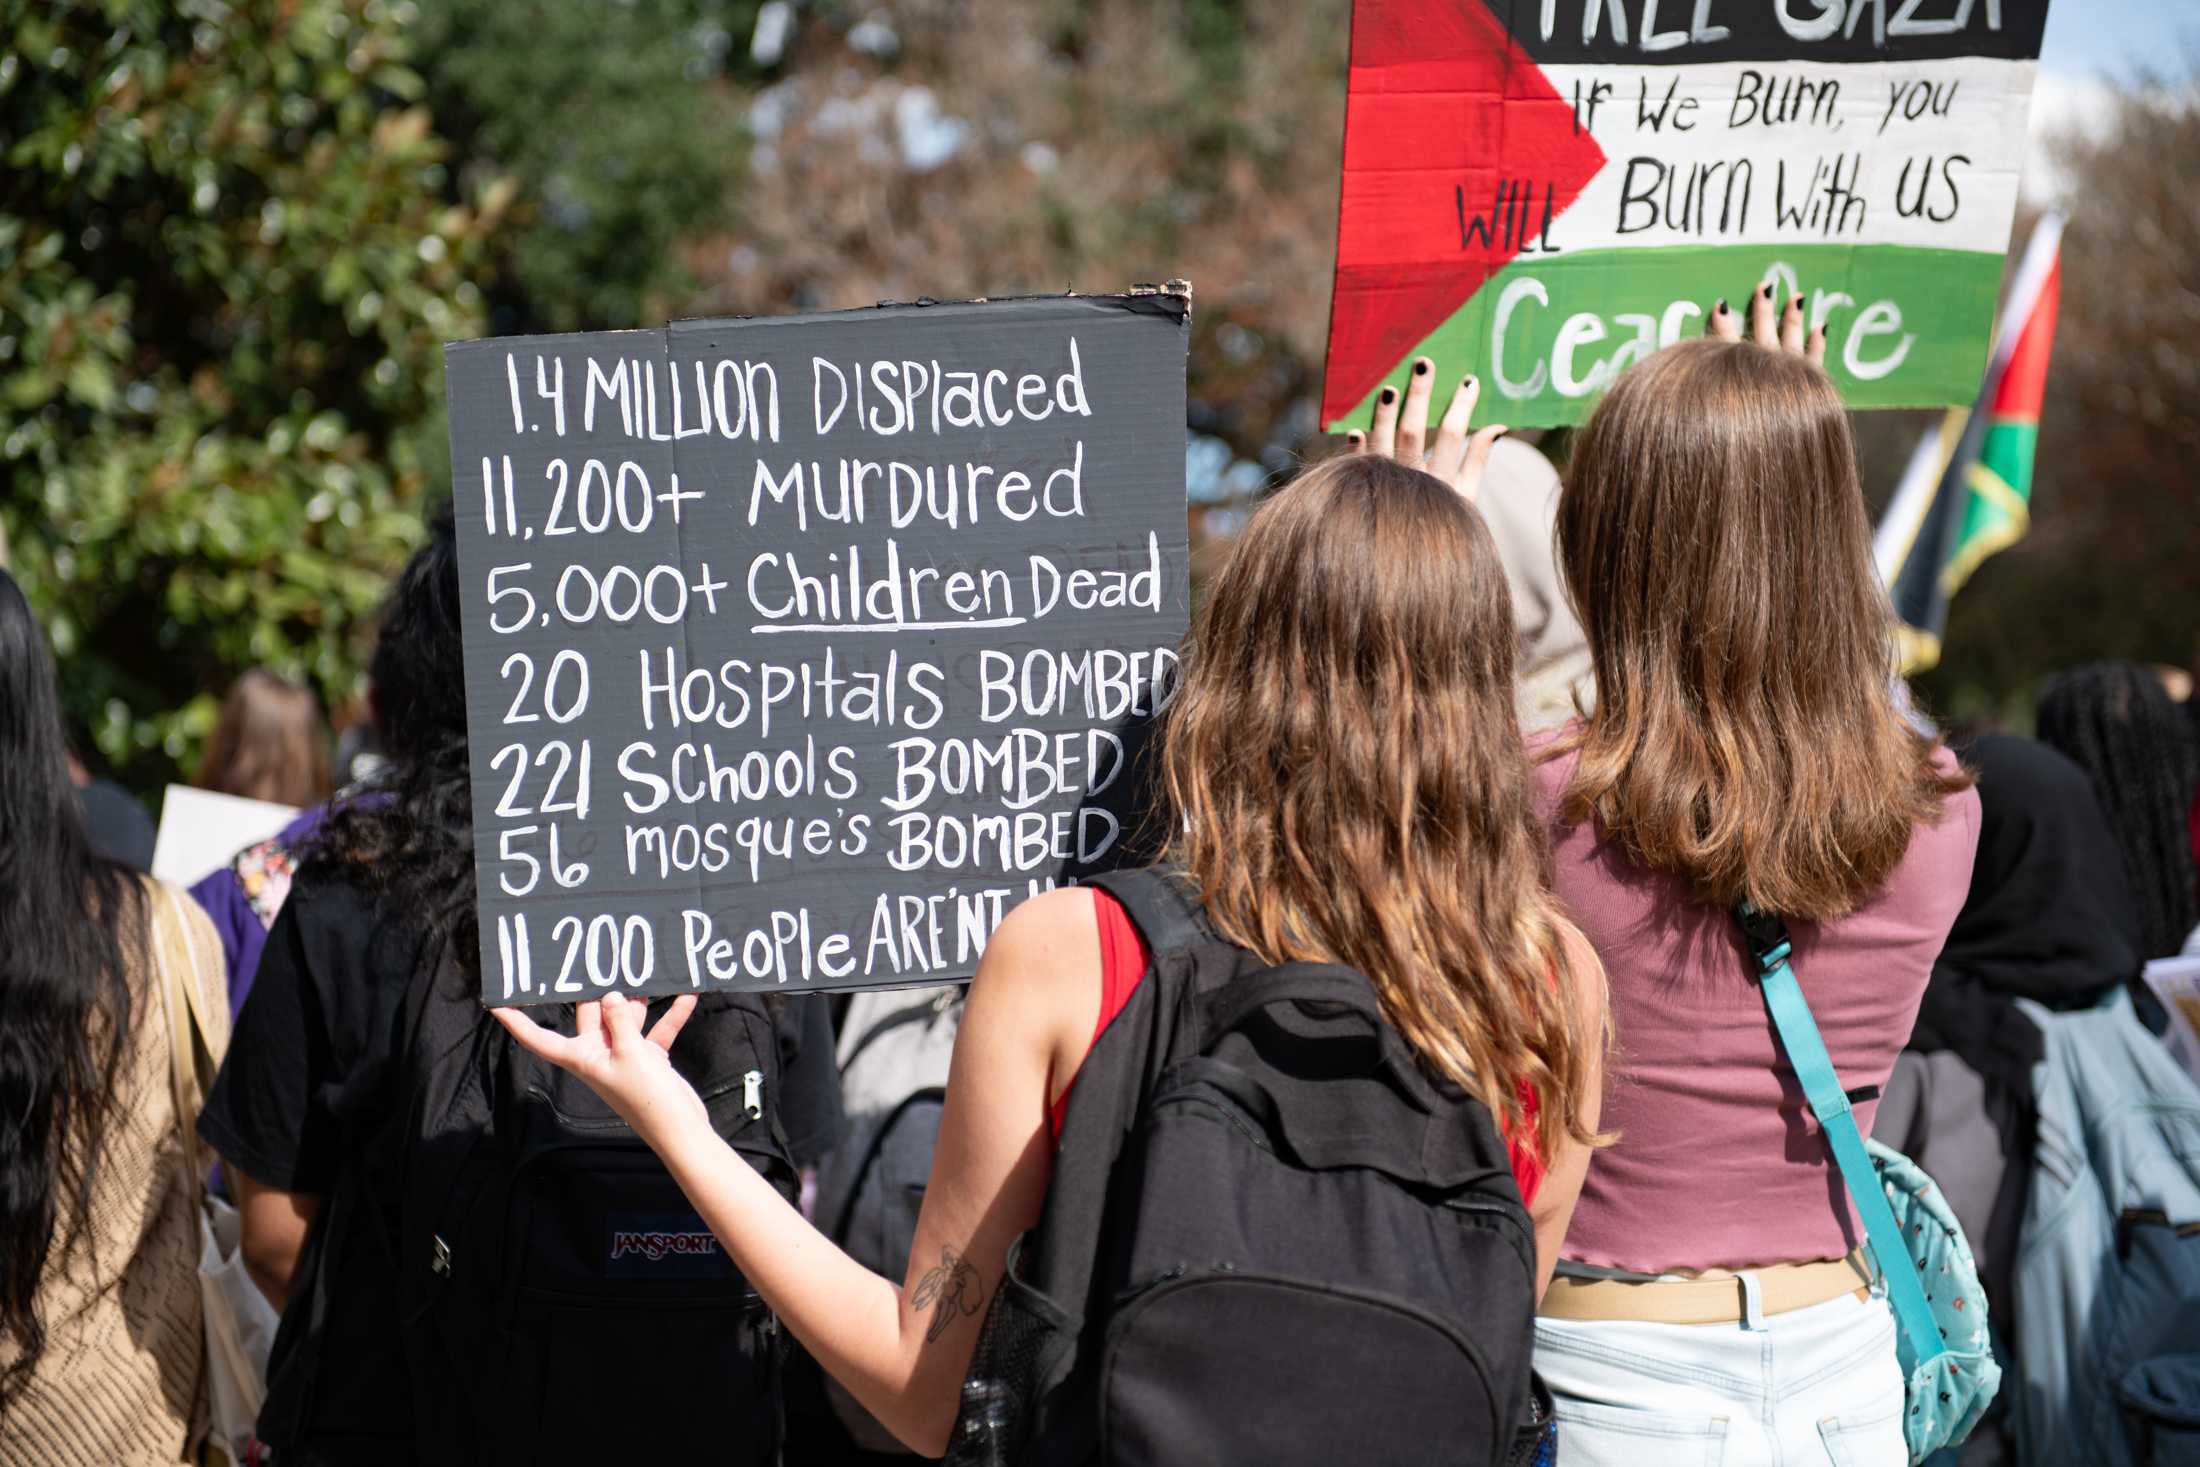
(270, 743)
(1349, 786)
(1746, 744)
(103, 1357)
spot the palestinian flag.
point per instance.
(1540, 192)
(1967, 491)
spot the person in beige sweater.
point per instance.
(102, 1354)
(1519, 502)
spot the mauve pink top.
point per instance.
(1719, 1163)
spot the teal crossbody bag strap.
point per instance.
(1806, 1051)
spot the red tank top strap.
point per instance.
(1123, 961)
(1527, 1164)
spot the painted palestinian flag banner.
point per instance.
(1968, 489)
(1539, 192)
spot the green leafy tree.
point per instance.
(607, 116)
(229, 255)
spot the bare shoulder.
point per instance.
(1041, 975)
(1049, 929)
(1044, 946)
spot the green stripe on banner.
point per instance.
(1999, 510)
(2008, 450)
(1906, 324)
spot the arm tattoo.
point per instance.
(951, 1291)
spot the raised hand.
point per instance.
(1781, 332)
(1455, 457)
(630, 1069)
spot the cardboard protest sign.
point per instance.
(2176, 982)
(800, 649)
(202, 831)
(1539, 192)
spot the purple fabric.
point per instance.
(242, 928)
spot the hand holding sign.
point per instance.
(1454, 457)
(631, 1068)
(1784, 333)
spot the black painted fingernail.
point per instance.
(1390, 394)
(1420, 368)
(1722, 305)
(1467, 382)
(1768, 290)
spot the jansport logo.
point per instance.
(659, 1245)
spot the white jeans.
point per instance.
(1807, 1388)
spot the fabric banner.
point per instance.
(1539, 192)
(1968, 489)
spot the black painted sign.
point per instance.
(799, 649)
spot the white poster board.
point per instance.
(2176, 982)
(201, 830)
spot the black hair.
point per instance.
(408, 836)
(67, 917)
(2119, 724)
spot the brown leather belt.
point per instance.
(1780, 1289)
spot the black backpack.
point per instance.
(551, 1266)
(1268, 1237)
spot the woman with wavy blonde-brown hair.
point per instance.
(1747, 743)
(1351, 781)
(1350, 788)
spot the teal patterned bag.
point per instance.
(1948, 1366)
(1950, 1391)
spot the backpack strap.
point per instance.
(1328, 985)
(193, 1057)
(1166, 909)
(1806, 1051)
(1119, 1068)
(1059, 1259)
(1227, 1007)
(1162, 904)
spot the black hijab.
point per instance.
(2050, 915)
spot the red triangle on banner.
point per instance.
(1454, 144)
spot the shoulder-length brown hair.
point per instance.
(1348, 783)
(270, 743)
(1745, 736)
